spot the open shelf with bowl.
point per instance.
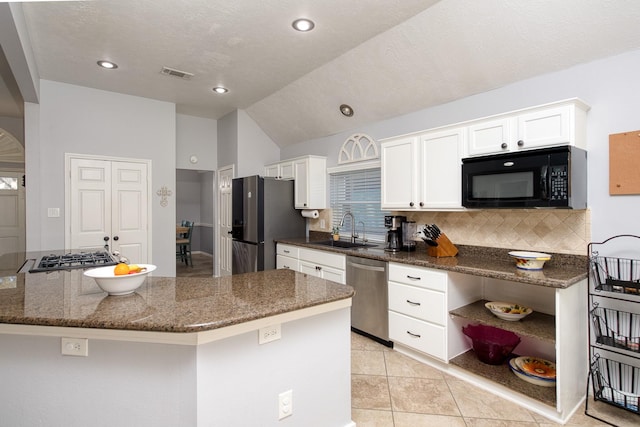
(614, 328)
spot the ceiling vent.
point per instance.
(176, 73)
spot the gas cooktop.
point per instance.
(71, 261)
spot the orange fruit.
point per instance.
(121, 269)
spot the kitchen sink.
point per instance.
(343, 244)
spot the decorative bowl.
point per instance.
(119, 285)
(530, 260)
(508, 311)
(491, 345)
(543, 382)
(536, 367)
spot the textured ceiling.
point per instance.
(383, 57)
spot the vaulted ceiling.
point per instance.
(383, 57)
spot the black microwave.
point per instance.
(544, 178)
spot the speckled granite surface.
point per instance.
(561, 271)
(162, 304)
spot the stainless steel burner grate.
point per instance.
(71, 261)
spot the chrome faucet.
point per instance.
(354, 236)
(364, 232)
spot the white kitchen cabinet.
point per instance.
(422, 171)
(419, 300)
(287, 257)
(323, 264)
(491, 136)
(562, 123)
(317, 263)
(281, 170)
(310, 174)
(399, 173)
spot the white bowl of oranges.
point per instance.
(121, 279)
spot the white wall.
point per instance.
(255, 148)
(610, 86)
(196, 136)
(228, 139)
(75, 119)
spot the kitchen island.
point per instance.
(177, 352)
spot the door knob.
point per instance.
(115, 238)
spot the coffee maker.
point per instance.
(394, 235)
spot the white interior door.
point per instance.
(129, 210)
(225, 177)
(109, 206)
(12, 214)
(90, 207)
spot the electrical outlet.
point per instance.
(75, 346)
(285, 404)
(268, 334)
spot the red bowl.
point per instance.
(491, 345)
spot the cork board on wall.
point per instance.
(624, 163)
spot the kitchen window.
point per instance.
(358, 191)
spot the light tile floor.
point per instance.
(389, 389)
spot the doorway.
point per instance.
(195, 202)
(12, 197)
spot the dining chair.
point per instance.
(183, 244)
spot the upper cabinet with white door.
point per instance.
(310, 189)
(561, 123)
(310, 176)
(281, 170)
(422, 171)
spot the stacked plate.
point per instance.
(534, 370)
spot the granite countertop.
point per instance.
(162, 304)
(561, 271)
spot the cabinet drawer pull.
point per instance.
(413, 277)
(286, 251)
(504, 146)
(286, 266)
(413, 303)
(520, 143)
(318, 268)
(413, 335)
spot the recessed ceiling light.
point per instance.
(346, 110)
(303, 24)
(108, 65)
(220, 89)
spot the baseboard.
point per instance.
(202, 253)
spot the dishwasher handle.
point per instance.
(365, 267)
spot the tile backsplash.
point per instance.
(558, 230)
(550, 230)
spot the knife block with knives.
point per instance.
(444, 249)
(438, 244)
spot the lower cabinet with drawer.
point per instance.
(418, 309)
(318, 263)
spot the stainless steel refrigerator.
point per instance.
(262, 210)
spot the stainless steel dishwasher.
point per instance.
(370, 304)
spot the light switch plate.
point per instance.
(53, 212)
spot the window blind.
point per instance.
(358, 192)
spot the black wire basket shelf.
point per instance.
(615, 328)
(611, 274)
(616, 383)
